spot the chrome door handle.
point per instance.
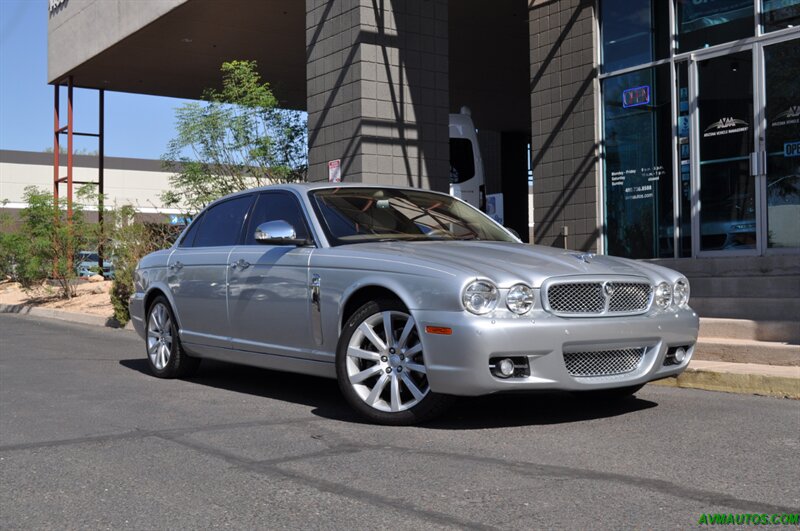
(176, 265)
(241, 263)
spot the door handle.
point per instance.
(176, 265)
(241, 263)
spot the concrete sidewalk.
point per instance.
(744, 378)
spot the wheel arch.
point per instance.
(360, 295)
(150, 296)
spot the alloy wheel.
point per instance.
(385, 363)
(159, 336)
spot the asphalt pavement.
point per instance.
(88, 439)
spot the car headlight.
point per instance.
(680, 293)
(520, 299)
(480, 297)
(663, 296)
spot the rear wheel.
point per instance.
(381, 368)
(165, 355)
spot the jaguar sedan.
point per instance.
(408, 298)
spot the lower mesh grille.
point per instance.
(603, 362)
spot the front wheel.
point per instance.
(165, 355)
(381, 368)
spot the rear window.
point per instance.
(222, 223)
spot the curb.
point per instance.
(719, 379)
(61, 315)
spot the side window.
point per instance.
(222, 223)
(274, 206)
(190, 234)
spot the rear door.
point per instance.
(198, 272)
(269, 305)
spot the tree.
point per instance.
(44, 246)
(235, 139)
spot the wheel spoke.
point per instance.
(394, 392)
(411, 386)
(377, 390)
(162, 357)
(401, 343)
(159, 317)
(416, 367)
(151, 350)
(413, 351)
(366, 373)
(371, 336)
(387, 328)
(355, 352)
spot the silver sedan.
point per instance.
(408, 298)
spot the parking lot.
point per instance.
(88, 439)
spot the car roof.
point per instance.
(302, 188)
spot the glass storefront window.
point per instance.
(634, 32)
(780, 14)
(637, 129)
(782, 72)
(704, 23)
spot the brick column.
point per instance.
(565, 150)
(377, 79)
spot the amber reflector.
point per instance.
(439, 330)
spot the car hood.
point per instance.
(504, 263)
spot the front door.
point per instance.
(726, 175)
(269, 295)
(746, 149)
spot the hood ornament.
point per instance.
(583, 257)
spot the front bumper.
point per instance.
(459, 364)
(136, 310)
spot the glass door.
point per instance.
(781, 144)
(724, 155)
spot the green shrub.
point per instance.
(131, 240)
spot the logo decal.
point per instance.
(608, 289)
(726, 123)
(787, 117)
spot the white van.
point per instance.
(466, 167)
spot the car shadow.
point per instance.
(473, 413)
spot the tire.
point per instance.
(386, 382)
(165, 354)
(611, 395)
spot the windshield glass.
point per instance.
(355, 215)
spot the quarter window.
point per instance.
(222, 223)
(188, 238)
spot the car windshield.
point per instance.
(356, 215)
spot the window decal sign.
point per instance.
(791, 149)
(726, 126)
(633, 97)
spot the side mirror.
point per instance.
(277, 232)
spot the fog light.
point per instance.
(505, 368)
(680, 354)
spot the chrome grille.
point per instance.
(598, 298)
(583, 297)
(629, 297)
(603, 362)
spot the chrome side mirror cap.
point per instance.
(277, 232)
